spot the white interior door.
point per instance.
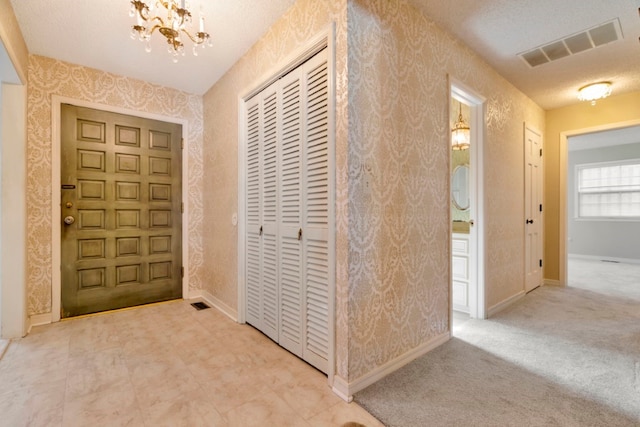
(533, 208)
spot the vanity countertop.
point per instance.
(461, 227)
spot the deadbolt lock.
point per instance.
(69, 205)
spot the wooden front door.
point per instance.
(121, 203)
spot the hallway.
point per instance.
(559, 356)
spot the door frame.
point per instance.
(564, 166)
(56, 222)
(477, 290)
(324, 39)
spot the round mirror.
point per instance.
(460, 187)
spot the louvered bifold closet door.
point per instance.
(269, 212)
(253, 212)
(316, 269)
(290, 248)
(262, 172)
(287, 211)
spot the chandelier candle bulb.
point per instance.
(201, 24)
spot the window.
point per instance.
(609, 190)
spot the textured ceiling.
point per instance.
(498, 30)
(96, 34)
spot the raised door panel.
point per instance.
(460, 272)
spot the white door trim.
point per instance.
(477, 293)
(564, 166)
(325, 38)
(56, 222)
(13, 215)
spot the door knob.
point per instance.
(471, 222)
(529, 221)
(69, 220)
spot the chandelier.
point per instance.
(460, 134)
(172, 19)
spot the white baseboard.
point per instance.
(604, 258)
(214, 302)
(347, 390)
(341, 389)
(38, 319)
(493, 310)
(552, 282)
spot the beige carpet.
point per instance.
(558, 357)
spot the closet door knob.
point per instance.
(300, 234)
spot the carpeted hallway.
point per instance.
(558, 357)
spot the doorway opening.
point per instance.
(467, 209)
(602, 189)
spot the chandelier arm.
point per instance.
(194, 39)
(158, 19)
(155, 27)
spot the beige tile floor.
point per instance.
(162, 365)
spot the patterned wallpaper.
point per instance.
(304, 20)
(399, 169)
(49, 77)
(393, 171)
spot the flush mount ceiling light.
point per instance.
(594, 91)
(172, 19)
(460, 134)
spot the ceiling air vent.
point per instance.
(575, 43)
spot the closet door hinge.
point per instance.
(541, 152)
(540, 207)
(540, 263)
(182, 143)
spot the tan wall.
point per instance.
(11, 37)
(49, 77)
(583, 115)
(297, 26)
(399, 157)
(393, 189)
